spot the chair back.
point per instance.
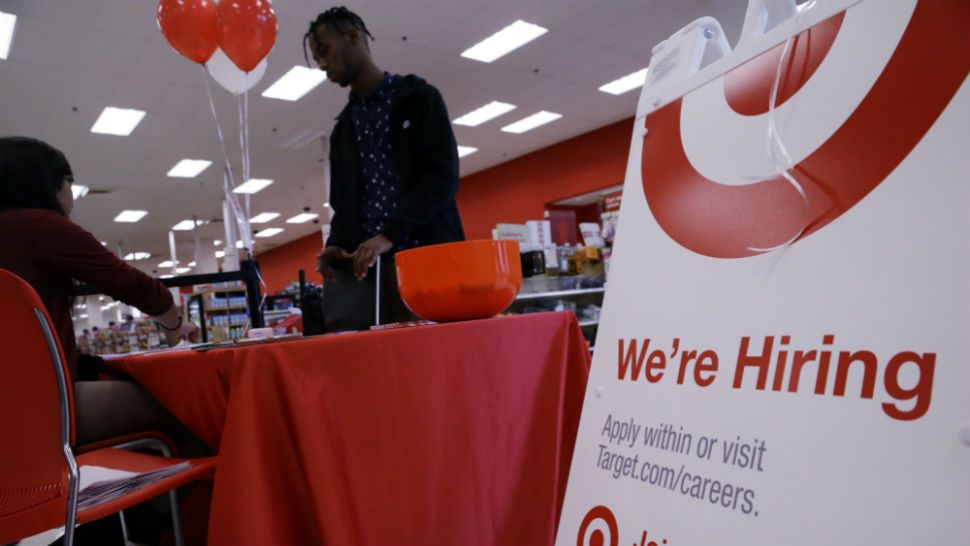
(38, 474)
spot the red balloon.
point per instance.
(190, 26)
(247, 31)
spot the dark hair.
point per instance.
(341, 19)
(31, 174)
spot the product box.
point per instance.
(512, 232)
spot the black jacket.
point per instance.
(424, 150)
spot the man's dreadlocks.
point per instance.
(341, 19)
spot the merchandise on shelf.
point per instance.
(139, 335)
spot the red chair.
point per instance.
(38, 469)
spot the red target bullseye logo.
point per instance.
(591, 531)
(724, 221)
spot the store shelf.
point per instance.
(220, 290)
(560, 294)
(231, 308)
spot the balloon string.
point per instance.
(249, 157)
(212, 108)
(242, 136)
(774, 143)
(241, 219)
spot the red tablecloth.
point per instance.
(448, 434)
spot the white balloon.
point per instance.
(228, 75)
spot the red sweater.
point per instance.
(47, 250)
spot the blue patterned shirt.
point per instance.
(382, 182)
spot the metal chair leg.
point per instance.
(161, 447)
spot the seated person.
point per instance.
(45, 248)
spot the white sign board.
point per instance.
(784, 353)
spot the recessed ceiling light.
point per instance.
(294, 84)
(269, 232)
(184, 225)
(79, 191)
(220, 254)
(264, 217)
(166, 263)
(466, 150)
(252, 185)
(130, 215)
(504, 41)
(117, 121)
(189, 168)
(181, 270)
(531, 122)
(135, 256)
(626, 83)
(302, 218)
(239, 244)
(491, 110)
(8, 22)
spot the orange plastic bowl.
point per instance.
(459, 281)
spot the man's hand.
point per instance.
(327, 257)
(367, 253)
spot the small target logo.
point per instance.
(598, 528)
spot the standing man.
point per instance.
(394, 173)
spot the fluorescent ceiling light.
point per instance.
(166, 263)
(189, 168)
(169, 276)
(326, 205)
(192, 264)
(252, 185)
(264, 217)
(220, 254)
(7, 23)
(85, 315)
(269, 232)
(130, 215)
(294, 84)
(531, 122)
(79, 191)
(185, 225)
(504, 41)
(466, 150)
(626, 83)
(117, 121)
(104, 243)
(135, 256)
(302, 218)
(239, 244)
(217, 242)
(181, 270)
(491, 110)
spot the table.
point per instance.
(456, 433)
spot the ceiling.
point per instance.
(70, 60)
